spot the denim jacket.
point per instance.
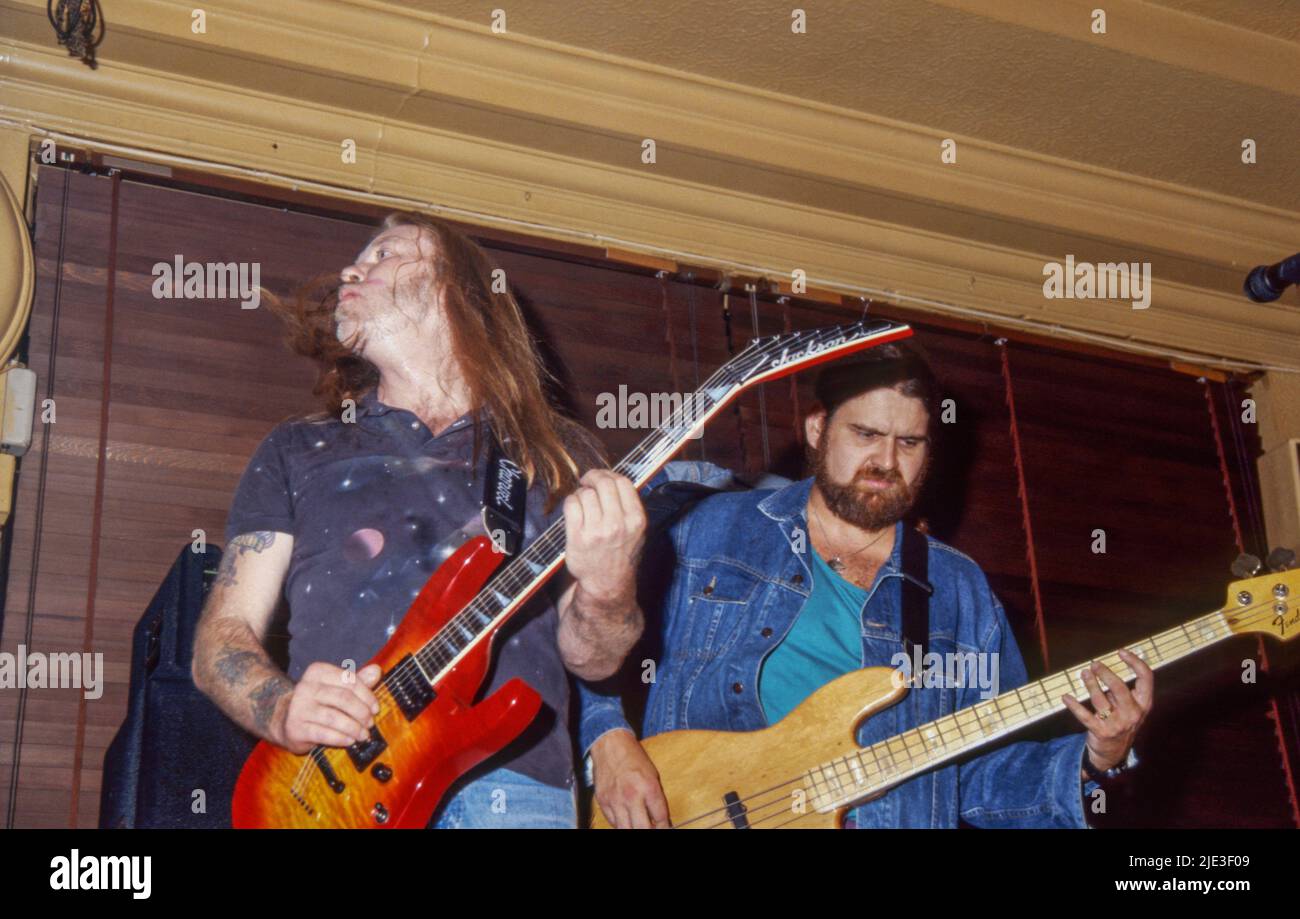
(743, 544)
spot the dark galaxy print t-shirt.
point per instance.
(374, 507)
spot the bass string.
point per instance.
(1181, 648)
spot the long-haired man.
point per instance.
(348, 512)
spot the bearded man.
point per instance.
(777, 592)
(347, 513)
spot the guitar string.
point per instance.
(512, 579)
(1175, 648)
(405, 676)
(1175, 651)
(647, 448)
(1181, 645)
(820, 771)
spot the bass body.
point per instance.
(806, 770)
(724, 780)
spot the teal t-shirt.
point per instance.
(825, 642)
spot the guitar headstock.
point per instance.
(774, 356)
(1268, 603)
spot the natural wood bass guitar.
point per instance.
(806, 770)
(429, 730)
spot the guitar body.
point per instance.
(429, 732)
(426, 755)
(708, 776)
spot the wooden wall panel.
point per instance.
(194, 385)
(1131, 451)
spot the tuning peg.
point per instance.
(1281, 559)
(1246, 565)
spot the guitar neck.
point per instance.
(764, 359)
(882, 765)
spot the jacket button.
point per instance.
(736, 687)
(797, 579)
(708, 589)
(766, 633)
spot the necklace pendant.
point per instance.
(835, 564)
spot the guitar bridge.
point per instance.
(412, 692)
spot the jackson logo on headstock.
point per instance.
(813, 347)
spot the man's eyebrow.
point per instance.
(386, 239)
(863, 429)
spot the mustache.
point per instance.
(892, 476)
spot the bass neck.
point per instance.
(1261, 604)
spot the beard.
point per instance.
(863, 506)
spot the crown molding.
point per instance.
(319, 72)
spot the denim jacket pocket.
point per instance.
(719, 601)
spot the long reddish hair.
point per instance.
(498, 358)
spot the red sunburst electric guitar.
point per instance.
(429, 731)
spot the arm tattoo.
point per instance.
(233, 665)
(264, 699)
(259, 541)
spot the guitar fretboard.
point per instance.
(884, 764)
(764, 358)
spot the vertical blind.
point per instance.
(160, 402)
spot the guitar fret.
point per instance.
(843, 766)
(859, 774)
(871, 767)
(888, 761)
(1046, 704)
(817, 793)
(1059, 690)
(889, 753)
(908, 738)
(1020, 701)
(828, 774)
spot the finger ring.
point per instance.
(1103, 714)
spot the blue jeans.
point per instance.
(502, 799)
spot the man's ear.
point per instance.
(814, 426)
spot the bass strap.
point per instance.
(916, 592)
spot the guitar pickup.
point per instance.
(363, 753)
(737, 812)
(412, 691)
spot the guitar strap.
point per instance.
(505, 496)
(916, 591)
